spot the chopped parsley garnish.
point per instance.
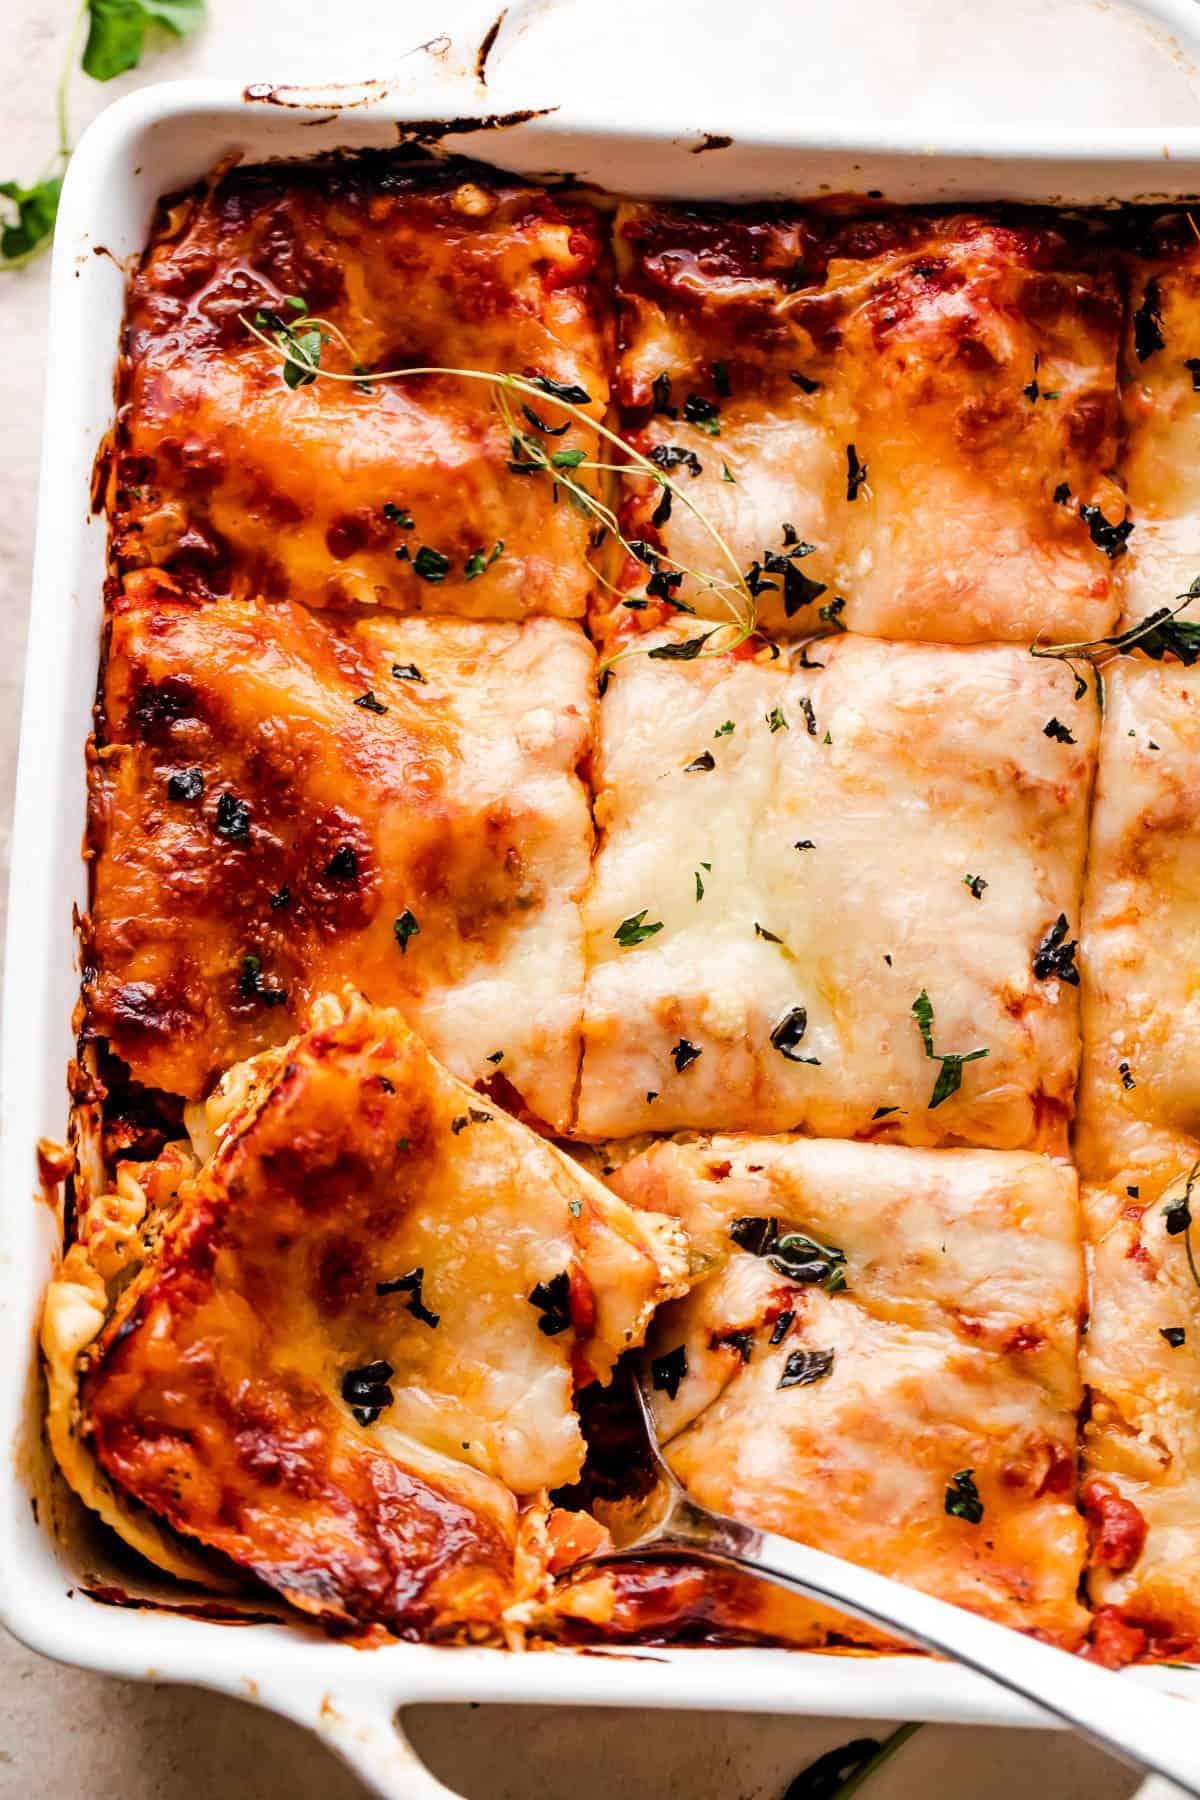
(770, 936)
(684, 1055)
(188, 784)
(949, 1077)
(430, 564)
(563, 390)
(810, 717)
(674, 456)
(803, 1367)
(728, 475)
(1054, 958)
(233, 817)
(804, 844)
(634, 930)
(399, 516)
(1175, 1335)
(343, 864)
(1147, 322)
(788, 1034)
(410, 1284)
(704, 414)
(856, 473)
(405, 927)
(369, 703)
(700, 881)
(687, 651)
(478, 562)
(725, 730)
(366, 1392)
(666, 1372)
(975, 884)
(700, 764)
(251, 985)
(776, 720)
(1062, 734)
(962, 1497)
(797, 1256)
(1106, 536)
(407, 672)
(1177, 1219)
(553, 1300)
(883, 1112)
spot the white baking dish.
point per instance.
(162, 138)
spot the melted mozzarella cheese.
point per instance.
(1160, 404)
(952, 1345)
(1141, 1438)
(431, 846)
(928, 402)
(1139, 1103)
(805, 890)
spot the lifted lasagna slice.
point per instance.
(1160, 402)
(281, 802)
(352, 1350)
(1141, 1439)
(401, 492)
(911, 420)
(840, 897)
(1139, 1101)
(882, 1361)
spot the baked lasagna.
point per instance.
(605, 856)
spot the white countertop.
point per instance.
(1073, 62)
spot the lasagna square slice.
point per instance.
(282, 802)
(352, 1345)
(880, 1359)
(838, 897)
(339, 491)
(1139, 1097)
(1141, 1438)
(1160, 405)
(922, 410)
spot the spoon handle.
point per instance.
(1145, 1728)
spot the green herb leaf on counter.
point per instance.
(33, 226)
(117, 30)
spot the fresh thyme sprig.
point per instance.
(298, 344)
(1159, 634)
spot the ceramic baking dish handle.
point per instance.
(363, 1728)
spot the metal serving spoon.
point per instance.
(1144, 1728)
